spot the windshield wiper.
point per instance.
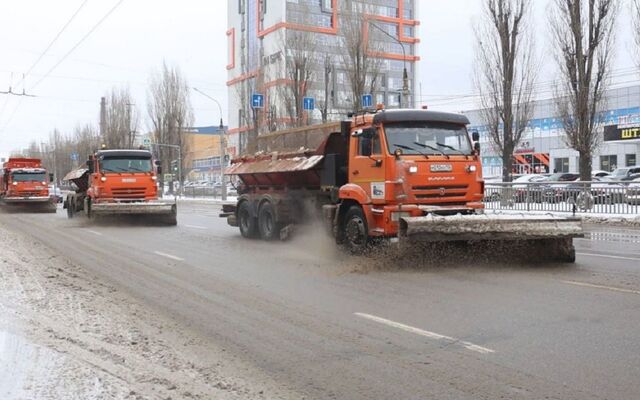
(451, 148)
(426, 146)
(412, 149)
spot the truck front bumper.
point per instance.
(151, 207)
(31, 199)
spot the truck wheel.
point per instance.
(355, 231)
(171, 219)
(267, 225)
(71, 207)
(247, 224)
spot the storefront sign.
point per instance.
(616, 132)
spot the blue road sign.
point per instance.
(367, 101)
(74, 156)
(257, 100)
(309, 103)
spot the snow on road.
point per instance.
(66, 335)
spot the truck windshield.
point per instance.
(125, 164)
(431, 138)
(29, 177)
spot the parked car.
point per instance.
(625, 174)
(598, 173)
(632, 194)
(555, 190)
(56, 194)
(603, 191)
(522, 191)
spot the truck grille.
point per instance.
(28, 193)
(440, 192)
(133, 193)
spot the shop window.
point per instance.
(608, 163)
(630, 160)
(561, 165)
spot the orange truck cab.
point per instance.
(24, 181)
(118, 182)
(414, 175)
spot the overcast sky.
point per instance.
(134, 40)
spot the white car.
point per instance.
(632, 194)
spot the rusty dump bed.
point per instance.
(291, 157)
(80, 177)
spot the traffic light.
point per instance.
(174, 166)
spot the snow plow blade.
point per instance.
(547, 235)
(160, 212)
(132, 208)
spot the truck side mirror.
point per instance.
(368, 133)
(157, 163)
(50, 177)
(476, 147)
(90, 166)
(159, 169)
(475, 136)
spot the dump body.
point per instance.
(24, 182)
(118, 182)
(414, 175)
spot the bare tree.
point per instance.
(297, 70)
(358, 43)
(635, 12)
(170, 112)
(327, 71)
(505, 75)
(584, 33)
(121, 119)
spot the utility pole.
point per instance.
(103, 119)
(132, 132)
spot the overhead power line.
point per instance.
(44, 52)
(78, 43)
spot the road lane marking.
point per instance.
(168, 256)
(428, 334)
(195, 227)
(591, 285)
(94, 232)
(608, 256)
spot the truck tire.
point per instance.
(267, 225)
(172, 218)
(71, 207)
(246, 222)
(355, 231)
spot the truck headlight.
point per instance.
(15, 183)
(103, 179)
(471, 168)
(396, 215)
(413, 169)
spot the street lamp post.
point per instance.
(405, 74)
(223, 186)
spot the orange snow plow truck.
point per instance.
(411, 176)
(24, 183)
(119, 182)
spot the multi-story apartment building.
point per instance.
(331, 52)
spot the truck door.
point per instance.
(366, 168)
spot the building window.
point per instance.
(608, 163)
(561, 165)
(630, 160)
(240, 6)
(326, 6)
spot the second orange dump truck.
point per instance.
(410, 175)
(119, 182)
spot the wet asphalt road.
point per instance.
(330, 326)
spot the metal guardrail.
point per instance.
(584, 197)
(204, 191)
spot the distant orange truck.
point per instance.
(24, 182)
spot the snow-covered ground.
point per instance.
(65, 334)
(595, 217)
